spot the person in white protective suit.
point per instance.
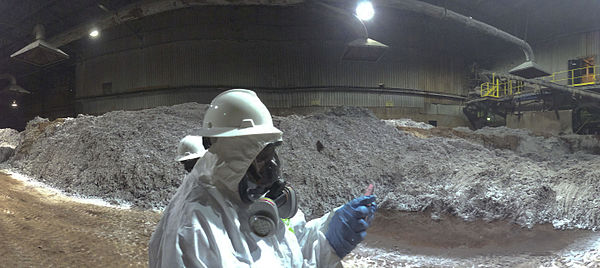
(189, 150)
(228, 211)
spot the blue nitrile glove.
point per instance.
(349, 224)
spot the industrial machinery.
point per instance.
(586, 118)
(497, 95)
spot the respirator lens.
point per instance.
(262, 173)
(267, 166)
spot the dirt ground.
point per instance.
(416, 240)
(41, 228)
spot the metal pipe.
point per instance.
(147, 8)
(39, 32)
(443, 13)
(388, 90)
(582, 91)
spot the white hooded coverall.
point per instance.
(206, 223)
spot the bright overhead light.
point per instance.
(14, 104)
(489, 119)
(94, 33)
(364, 10)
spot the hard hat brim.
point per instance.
(190, 156)
(235, 132)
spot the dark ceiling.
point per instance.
(20, 16)
(533, 20)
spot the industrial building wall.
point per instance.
(553, 54)
(289, 75)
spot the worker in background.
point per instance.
(190, 149)
(228, 211)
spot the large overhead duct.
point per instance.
(529, 69)
(40, 53)
(12, 84)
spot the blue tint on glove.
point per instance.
(349, 224)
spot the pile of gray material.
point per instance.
(407, 123)
(535, 146)
(586, 143)
(119, 156)
(9, 139)
(440, 175)
(530, 145)
(129, 156)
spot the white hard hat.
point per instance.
(237, 112)
(190, 147)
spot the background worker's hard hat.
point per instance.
(190, 147)
(237, 112)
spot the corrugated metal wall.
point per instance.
(213, 64)
(553, 55)
(291, 61)
(261, 64)
(337, 98)
(273, 99)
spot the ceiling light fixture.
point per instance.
(12, 84)
(94, 33)
(362, 48)
(364, 10)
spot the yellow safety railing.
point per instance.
(576, 77)
(498, 88)
(589, 75)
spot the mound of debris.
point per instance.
(437, 174)
(542, 146)
(408, 123)
(525, 142)
(329, 158)
(9, 139)
(121, 155)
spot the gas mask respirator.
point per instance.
(268, 195)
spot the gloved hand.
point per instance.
(349, 224)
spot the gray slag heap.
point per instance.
(9, 139)
(121, 155)
(437, 175)
(129, 156)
